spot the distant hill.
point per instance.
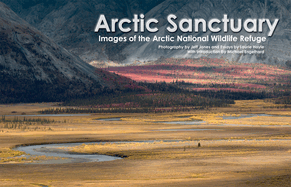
(210, 74)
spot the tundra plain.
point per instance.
(245, 144)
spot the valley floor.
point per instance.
(246, 144)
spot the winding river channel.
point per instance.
(60, 151)
(53, 150)
(57, 150)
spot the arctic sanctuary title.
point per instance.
(187, 25)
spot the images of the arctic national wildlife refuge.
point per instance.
(152, 93)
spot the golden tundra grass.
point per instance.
(9, 155)
(182, 149)
(244, 156)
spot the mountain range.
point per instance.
(70, 23)
(46, 46)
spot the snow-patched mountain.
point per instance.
(34, 68)
(277, 47)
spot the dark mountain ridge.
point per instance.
(33, 68)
